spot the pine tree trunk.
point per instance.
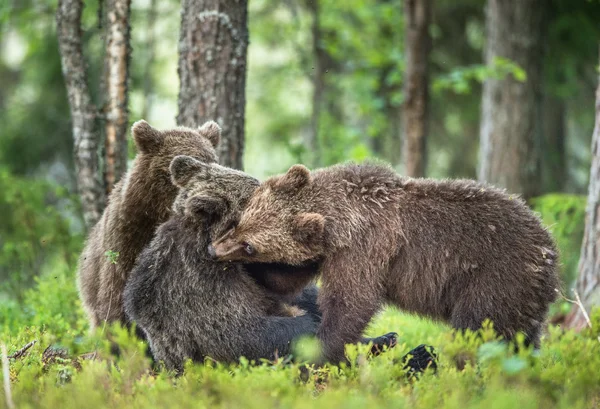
(554, 167)
(117, 74)
(150, 57)
(212, 70)
(83, 112)
(416, 82)
(511, 120)
(588, 281)
(321, 57)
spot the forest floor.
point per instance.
(564, 374)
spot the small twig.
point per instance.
(6, 375)
(21, 352)
(577, 301)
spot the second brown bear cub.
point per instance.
(453, 250)
(139, 202)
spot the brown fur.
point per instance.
(458, 251)
(139, 202)
(188, 305)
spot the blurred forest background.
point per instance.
(420, 84)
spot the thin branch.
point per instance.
(21, 352)
(6, 375)
(577, 301)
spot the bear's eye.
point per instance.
(248, 248)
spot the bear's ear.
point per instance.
(211, 131)
(184, 167)
(206, 206)
(308, 228)
(295, 178)
(147, 139)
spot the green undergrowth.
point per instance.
(58, 371)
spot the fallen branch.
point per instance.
(21, 352)
(6, 375)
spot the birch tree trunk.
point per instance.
(510, 128)
(588, 281)
(117, 74)
(212, 70)
(83, 112)
(416, 82)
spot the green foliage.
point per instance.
(458, 80)
(564, 215)
(562, 375)
(34, 230)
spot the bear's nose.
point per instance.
(211, 251)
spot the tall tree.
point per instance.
(84, 113)
(510, 129)
(554, 129)
(321, 59)
(416, 85)
(588, 281)
(93, 183)
(212, 70)
(117, 74)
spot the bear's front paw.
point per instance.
(421, 358)
(388, 340)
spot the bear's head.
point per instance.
(277, 225)
(209, 193)
(157, 148)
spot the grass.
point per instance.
(564, 374)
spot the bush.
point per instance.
(35, 229)
(564, 214)
(563, 375)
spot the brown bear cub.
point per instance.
(139, 202)
(189, 306)
(452, 250)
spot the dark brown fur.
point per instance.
(190, 306)
(458, 251)
(139, 202)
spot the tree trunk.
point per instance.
(511, 119)
(416, 82)
(117, 74)
(588, 281)
(320, 61)
(83, 112)
(388, 143)
(151, 50)
(554, 171)
(212, 70)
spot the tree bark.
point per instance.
(117, 74)
(83, 112)
(554, 169)
(416, 83)
(320, 62)
(510, 128)
(588, 281)
(212, 70)
(151, 50)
